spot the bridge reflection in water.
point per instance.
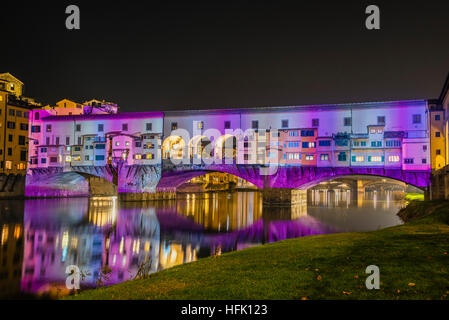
(100, 232)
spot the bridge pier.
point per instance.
(283, 196)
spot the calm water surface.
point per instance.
(40, 238)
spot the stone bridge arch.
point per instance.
(78, 182)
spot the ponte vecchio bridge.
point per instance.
(281, 150)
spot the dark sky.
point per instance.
(164, 55)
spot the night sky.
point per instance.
(164, 55)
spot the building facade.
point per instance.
(14, 113)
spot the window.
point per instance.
(44, 160)
(363, 143)
(100, 127)
(424, 161)
(284, 123)
(347, 122)
(24, 126)
(416, 118)
(393, 143)
(36, 116)
(408, 160)
(355, 143)
(174, 125)
(18, 113)
(78, 128)
(77, 148)
(358, 158)
(100, 146)
(324, 143)
(437, 117)
(138, 144)
(36, 128)
(11, 112)
(393, 158)
(99, 158)
(137, 156)
(43, 150)
(149, 156)
(200, 125)
(21, 140)
(10, 137)
(438, 151)
(124, 127)
(86, 158)
(342, 156)
(307, 133)
(255, 124)
(48, 128)
(375, 158)
(57, 141)
(8, 165)
(26, 114)
(293, 133)
(381, 120)
(79, 140)
(309, 157)
(47, 141)
(9, 151)
(53, 159)
(324, 157)
(149, 126)
(315, 122)
(246, 156)
(227, 124)
(308, 145)
(117, 143)
(294, 156)
(11, 125)
(294, 144)
(437, 134)
(67, 141)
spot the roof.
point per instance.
(324, 107)
(105, 116)
(445, 89)
(7, 74)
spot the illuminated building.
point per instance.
(14, 113)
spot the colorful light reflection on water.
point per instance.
(40, 238)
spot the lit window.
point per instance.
(8, 165)
(137, 156)
(127, 143)
(358, 158)
(375, 159)
(200, 124)
(117, 143)
(309, 158)
(324, 157)
(393, 158)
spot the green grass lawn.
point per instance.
(413, 261)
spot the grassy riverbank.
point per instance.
(413, 261)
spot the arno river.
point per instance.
(40, 238)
